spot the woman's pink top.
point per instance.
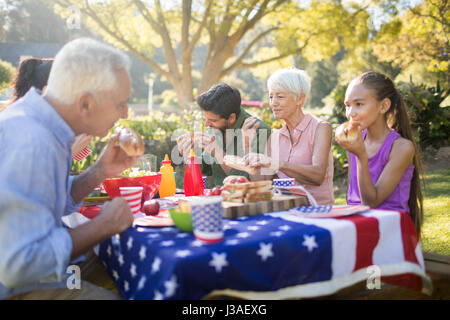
(398, 199)
(300, 152)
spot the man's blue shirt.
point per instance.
(35, 184)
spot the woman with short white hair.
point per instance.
(301, 149)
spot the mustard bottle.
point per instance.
(167, 187)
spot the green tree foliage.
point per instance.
(238, 34)
(6, 74)
(32, 21)
(429, 118)
(419, 36)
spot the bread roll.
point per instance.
(130, 141)
(237, 163)
(348, 131)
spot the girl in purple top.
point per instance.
(384, 159)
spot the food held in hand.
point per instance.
(151, 207)
(130, 141)
(348, 131)
(196, 137)
(238, 163)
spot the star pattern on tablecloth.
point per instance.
(135, 260)
(182, 253)
(158, 295)
(142, 253)
(133, 270)
(156, 264)
(171, 286)
(310, 242)
(232, 242)
(130, 243)
(243, 235)
(141, 283)
(219, 261)
(120, 259)
(276, 233)
(182, 235)
(167, 243)
(265, 250)
(197, 243)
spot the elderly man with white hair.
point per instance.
(88, 90)
(301, 149)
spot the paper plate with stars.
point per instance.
(163, 219)
(328, 211)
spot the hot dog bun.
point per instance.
(130, 141)
(348, 131)
(194, 137)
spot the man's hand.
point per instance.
(248, 132)
(260, 161)
(209, 143)
(185, 144)
(116, 215)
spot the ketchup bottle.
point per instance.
(193, 182)
(167, 187)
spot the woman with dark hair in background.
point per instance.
(34, 72)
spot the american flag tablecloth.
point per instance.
(272, 256)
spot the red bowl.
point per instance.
(150, 184)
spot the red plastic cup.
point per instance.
(133, 195)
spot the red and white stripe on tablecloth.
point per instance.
(82, 154)
(381, 238)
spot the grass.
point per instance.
(436, 226)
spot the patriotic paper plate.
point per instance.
(328, 211)
(163, 219)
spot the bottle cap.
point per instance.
(166, 160)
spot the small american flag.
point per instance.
(328, 211)
(82, 154)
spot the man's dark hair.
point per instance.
(222, 100)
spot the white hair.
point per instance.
(292, 80)
(84, 65)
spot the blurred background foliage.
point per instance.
(332, 40)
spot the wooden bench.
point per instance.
(436, 263)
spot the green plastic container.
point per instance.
(182, 220)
